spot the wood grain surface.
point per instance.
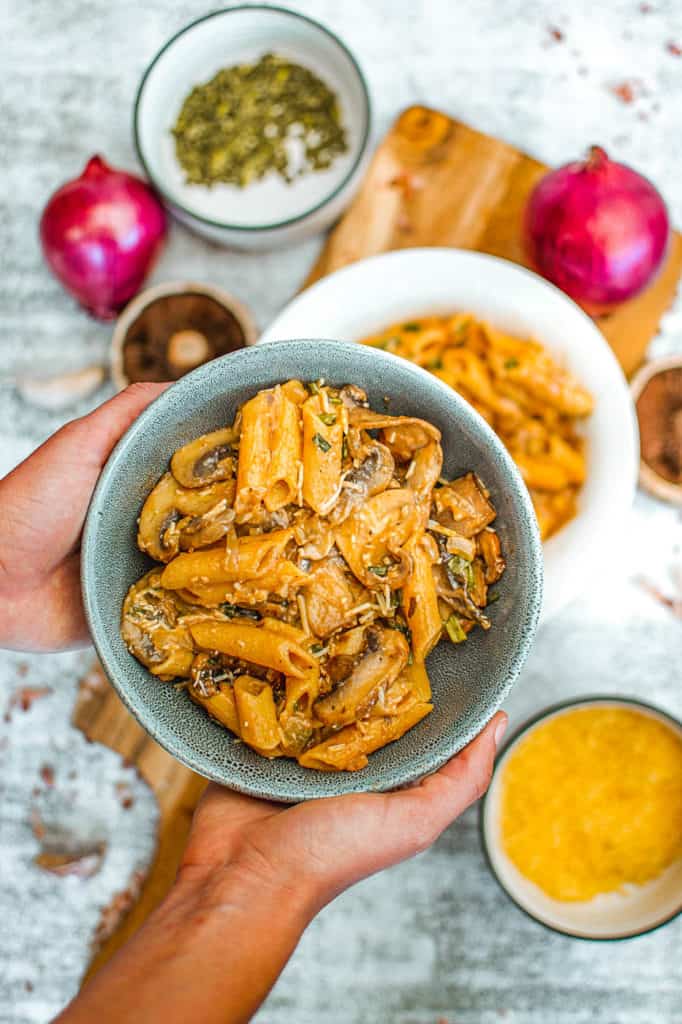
(433, 181)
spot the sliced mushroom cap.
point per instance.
(175, 518)
(353, 397)
(380, 662)
(404, 435)
(373, 475)
(209, 458)
(374, 539)
(153, 629)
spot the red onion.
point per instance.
(100, 235)
(597, 230)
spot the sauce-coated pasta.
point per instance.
(311, 556)
(528, 400)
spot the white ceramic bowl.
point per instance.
(367, 296)
(270, 212)
(616, 915)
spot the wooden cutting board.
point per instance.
(432, 181)
(435, 181)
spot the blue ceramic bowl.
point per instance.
(469, 681)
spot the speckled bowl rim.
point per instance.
(452, 741)
(254, 229)
(511, 741)
(145, 298)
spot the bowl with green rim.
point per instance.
(269, 211)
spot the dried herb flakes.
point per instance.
(251, 119)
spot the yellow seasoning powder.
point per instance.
(591, 799)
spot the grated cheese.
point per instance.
(592, 801)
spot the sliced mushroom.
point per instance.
(463, 506)
(374, 538)
(175, 518)
(353, 397)
(380, 662)
(373, 475)
(404, 435)
(153, 628)
(209, 458)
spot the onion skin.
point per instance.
(597, 230)
(100, 235)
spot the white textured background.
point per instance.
(433, 940)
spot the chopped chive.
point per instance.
(344, 449)
(413, 325)
(234, 610)
(459, 567)
(316, 648)
(495, 596)
(435, 364)
(454, 630)
(335, 400)
(321, 443)
(328, 418)
(378, 570)
(510, 364)
(313, 387)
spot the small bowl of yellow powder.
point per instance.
(582, 824)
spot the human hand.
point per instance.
(321, 847)
(43, 504)
(253, 875)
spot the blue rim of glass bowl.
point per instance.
(530, 723)
(249, 228)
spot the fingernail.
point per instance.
(500, 730)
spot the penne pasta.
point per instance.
(309, 556)
(527, 398)
(255, 643)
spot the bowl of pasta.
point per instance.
(310, 569)
(529, 361)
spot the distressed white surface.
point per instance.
(433, 938)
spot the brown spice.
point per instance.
(147, 354)
(659, 410)
(24, 697)
(625, 91)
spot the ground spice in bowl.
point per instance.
(169, 330)
(657, 391)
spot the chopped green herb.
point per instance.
(510, 364)
(235, 611)
(495, 596)
(328, 418)
(410, 659)
(316, 648)
(378, 570)
(313, 387)
(435, 364)
(344, 449)
(335, 400)
(454, 630)
(464, 570)
(321, 442)
(412, 326)
(239, 126)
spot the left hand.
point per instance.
(43, 504)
